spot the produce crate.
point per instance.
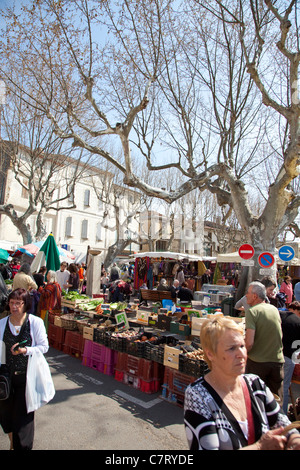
(73, 344)
(192, 367)
(118, 343)
(135, 347)
(121, 364)
(56, 336)
(174, 386)
(73, 303)
(134, 366)
(102, 336)
(149, 386)
(131, 380)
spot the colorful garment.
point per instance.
(50, 297)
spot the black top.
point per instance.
(19, 362)
(185, 295)
(290, 332)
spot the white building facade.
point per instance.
(84, 218)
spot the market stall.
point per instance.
(151, 266)
(157, 350)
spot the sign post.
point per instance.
(246, 252)
(286, 253)
(266, 259)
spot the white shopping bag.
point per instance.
(39, 384)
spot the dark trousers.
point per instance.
(14, 417)
(270, 372)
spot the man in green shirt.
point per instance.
(264, 339)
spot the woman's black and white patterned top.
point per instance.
(210, 425)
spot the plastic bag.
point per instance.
(39, 384)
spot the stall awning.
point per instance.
(172, 255)
(229, 257)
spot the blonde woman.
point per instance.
(226, 409)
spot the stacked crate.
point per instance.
(99, 357)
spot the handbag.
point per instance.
(5, 374)
(5, 382)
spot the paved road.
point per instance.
(93, 411)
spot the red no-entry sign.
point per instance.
(246, 251)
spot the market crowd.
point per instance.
(241, 403)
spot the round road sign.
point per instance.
(246, 251)
(266, 260)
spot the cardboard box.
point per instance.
(57, 321)
(196, 325)
(142, 316)
(164, 322)
(180, 328)
(171, 357)
(88, 332)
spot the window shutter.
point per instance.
(84, 229)
(68, 226)
(98, 232)
(86, 197)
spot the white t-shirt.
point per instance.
(62, 277)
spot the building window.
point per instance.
(86, 198)
(99, 232)
(69, 227)
(84, 229)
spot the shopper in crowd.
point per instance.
(185, 294)
(287, 289)
(290, 322)
(15, 266)
(14, 329)
(273, 297)
(297, 291)
(81, 274)
(163, 285)
(216, 414)
(63, 275)
(23, 279)
(104, 281)
(5, 271)
(40, 276)
(73, 281)
(264, 339)
(206, 277)
(180, 275)
(174, 290)
(114, 273)
(50, 299)
(242, 305)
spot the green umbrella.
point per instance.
(3, 256)
(47, 256)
